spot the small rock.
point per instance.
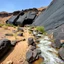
(37, 41)
(23, 39)
(35, 32)
(36, 37)
(31, 41)
(62, 44)
(14, 31)
(31, 30)
(8, 34)
(9, 62)
(32, 55)
(13, 43)
(20, 34)
(20, 29)
(40, 33)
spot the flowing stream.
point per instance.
(48, 52)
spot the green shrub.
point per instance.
(40, 29)
(10, 25)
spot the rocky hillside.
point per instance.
(5, 15)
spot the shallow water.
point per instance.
(48, 52)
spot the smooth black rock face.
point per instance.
(61, 53)
(52, 17)
(12, 20)
(28, 18)
(22, 19)
(5, 45)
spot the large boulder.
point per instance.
(61, 53)
(27, 18)
(32, 55)
(5, 45)
(58, 35)
(29, 56)
(31, 41)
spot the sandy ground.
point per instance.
(3, 19)
(18, 53)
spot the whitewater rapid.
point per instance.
(48, 52)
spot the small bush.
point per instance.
(10, 25)
(40, 29)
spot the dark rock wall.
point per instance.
(53, 16)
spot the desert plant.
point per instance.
(40, 29)
(10, 25)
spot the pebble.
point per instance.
(9, 62)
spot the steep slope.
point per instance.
(53, 16)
